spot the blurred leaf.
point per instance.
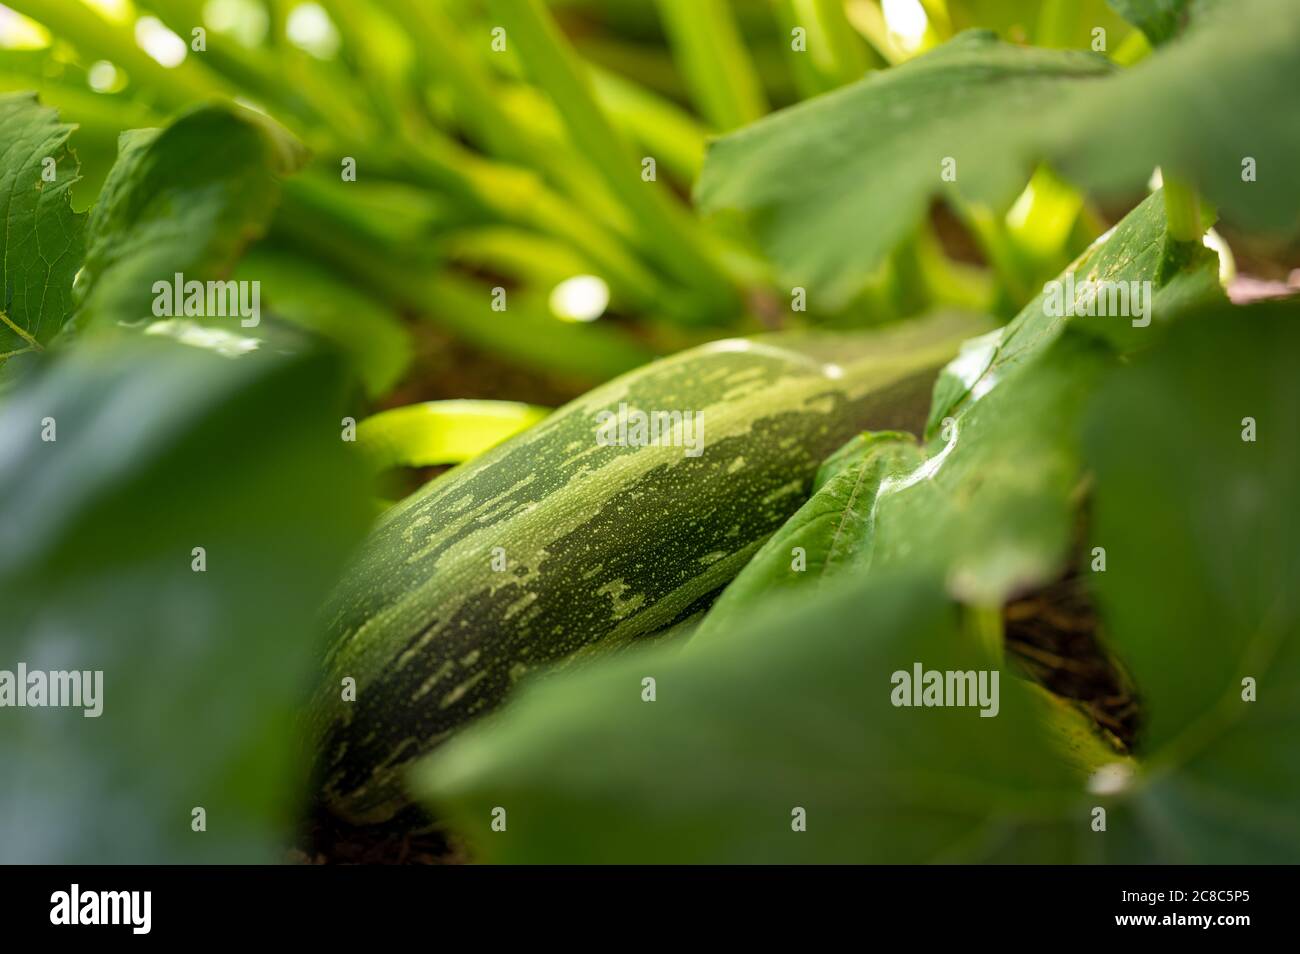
(990, 507)
(1202, 539)
(1158, 19)
(1198, 108)
(162, 448)
(186, 199)
(442, 432)
(41, 243)
(831, 185)
(993, 506)
(713, 769)
(1137, 249)
(308, 294)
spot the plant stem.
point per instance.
(711, 55)
(1183, 210)
(666, 233)
(1057, 20)
(985, 624)
(835, 54)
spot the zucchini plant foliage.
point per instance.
(566, 650)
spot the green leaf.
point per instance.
(831, 185)
(186, 199)
(1199, 108)
(41, 243)
(1202, 541)
(1158, 19)
(714, 768)
(1138, 249)
(442, 432)
(989, 503)
(160, 448)
(991, 506)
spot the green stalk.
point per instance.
(1134, 48)
(835, 54)
(667, 235)
(304, 101)
(1057, 22)
(867, 18)
(96, 37)
(515, 195)
(526, 332)
(999, 248)
(486, 121)
(707, 47)
(662, 127)
(1183, 210)
(984, 623)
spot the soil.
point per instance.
(1054, 635)
(411, 838)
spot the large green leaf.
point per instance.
(1200, 107)
(1202, 539)
(160, 448)
(735, 742)
(41, 241)
(993, 505)
(990, 506)
(831, 185)
(185, 199)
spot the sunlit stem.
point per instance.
(985, 624)
(1183, 210)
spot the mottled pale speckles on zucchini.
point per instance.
(606, 544)
(623, 605)
(433, 680)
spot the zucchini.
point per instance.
(602, 544)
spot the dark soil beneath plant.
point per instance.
(411, 838)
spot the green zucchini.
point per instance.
(602, 544)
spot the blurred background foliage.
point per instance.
(520, 168)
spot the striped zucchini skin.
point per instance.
(603, 544)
